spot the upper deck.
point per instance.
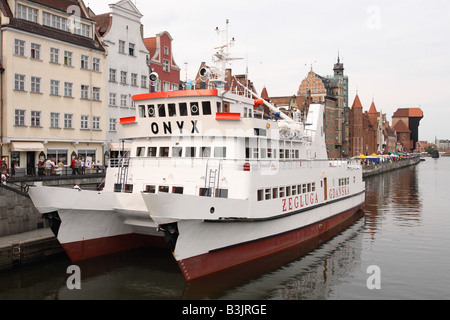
(205, 112)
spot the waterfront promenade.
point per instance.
(33, 245)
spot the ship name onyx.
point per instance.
(168, 127)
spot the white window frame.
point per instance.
(19, 47)
(19, 82)
(84, 122)
(54, 55)
(54, 120)
(35, 85)
(54, 87)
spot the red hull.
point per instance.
(87, 249)
(211, 262)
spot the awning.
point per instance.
(117, 146)
(27, 146)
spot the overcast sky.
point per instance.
(395, 52)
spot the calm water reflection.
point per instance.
(404, 230)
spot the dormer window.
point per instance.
(26, 13)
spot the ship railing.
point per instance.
(264, 165)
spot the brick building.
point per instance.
(405, 122)
(362, 132)
(163, 62)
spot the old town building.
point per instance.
(406, 122)
(53, 83)
(332, 91)
(163, 63)
(126, 71)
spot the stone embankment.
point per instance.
(374, 169)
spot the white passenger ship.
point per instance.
(230, 184)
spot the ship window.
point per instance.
(206, 152)
(177, 190)
(205, 192)
(163, 189)
(268, 194)
(172, 110)
(255, 153)
(281, 153)
(304, 188)
(206, 106)
(309, 187)
(274, 193)
(247, 153)
(177, 152)
(161, 110)
(313, 186)
(299, 189)
(286, 153)
(222, 193)
(190, 152)
(142, 111)
(140, 152)
(263, 153)
(163, 151)
(219, 107)
(226, 107)
(151, 110)
(151, 152)
(117, 187)
(182, 106)
(288, 191)
(260, 195)
(150, 189)
(129, 188)
(194, 109)
(220, 152)
(294, 190)
(282, 194)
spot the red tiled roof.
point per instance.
(150, 44)
(408, 112)
(103, 23)
(356, 103)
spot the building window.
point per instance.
(68, 58)
(143, 81)
(166, 64)
(35, 118)
(96, 64)
(166, 86)
(112, 75)
(84, 92)
(121, 46)
(35, 84)
(96, 123)
(84, 62)
(19, 117)
(84, 124)
(58, 155)
(134, 79)
(68, 123)
(68, 86)
(112, 99)
(131, 49)
(54, 87)
(19, 47)
(26, 13)
(123, 77)
(54, 120)
(96, 93)
(19, 82)
(123, 100)
(54, 55)
(112, 124)
(35, 51)
(166, 50)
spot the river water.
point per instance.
(399, 248)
